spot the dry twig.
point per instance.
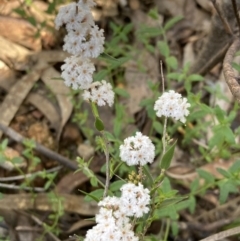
(223, 234)
(228, 70)
(40, 148)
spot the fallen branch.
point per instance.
(228, 72)
(223, 234)
(40, 148)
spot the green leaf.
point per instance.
(20, 11)
(220, 114)
(153, 13)
(148, 174)
(4, 144)
(226, 187)
(147, 102)
(192, 204)
(171, 201)
(167, 158)
(172, 62)
(224, 172)
(221, 133)
(158, 127)
(164, 212)
(51, 7)
(100, 75)
(32, 21)
(194, 185)
(116, 185)
(174, 76)
(94, 181)
(99, 124)
(169, 24)
(174, 228)
(95, 195)
(195, 77)
(206, 176)
(235, 167)
(163, 48)
(121, 92)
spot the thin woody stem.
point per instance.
(106, 152)
(228, 70)
(235, 8)
(165, 119)
(223, 19)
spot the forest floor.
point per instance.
(44, 125)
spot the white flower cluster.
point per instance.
(171, 104)
(100, 93)
(113, 222)
(84, 40)
(77, 72)
(84, 37)
(137, 150)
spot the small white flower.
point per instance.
(100, 92)
(86, 4)
(105, 216)
(77, 72)
(110, 203)
(138, 150)
(134, 199)
(65, 14)
(171, 104)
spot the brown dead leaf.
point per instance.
(206, 5)
(170, 7)
(44, 202)
(73, 180)
(61, 91)
(7, 7)
(80, 224)
(39, 132)
(18, 93)
(20, 227)
(22, 32)
(109, 7)
(52, 56)
(85, 151)
(136, 80)
(14, 55)
(229, 210)
(71, 134)
(134, 4)
(188, 53)
(46, 108)
(188, 174)
(7, 76)
(143, 67)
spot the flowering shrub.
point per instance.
(117, 216)
(84, 41)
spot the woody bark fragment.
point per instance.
(228, 70)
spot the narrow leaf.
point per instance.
(166, 160)
(99, 124)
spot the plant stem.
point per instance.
(167, 230)
(164, 137)
(106, 152)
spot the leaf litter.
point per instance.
(23, 68)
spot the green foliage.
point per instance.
(166, 202)
(166, 159)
